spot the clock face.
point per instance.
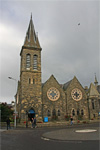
(76, 94)
(53, 94)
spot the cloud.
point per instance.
(67, 49)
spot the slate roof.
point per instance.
(65, 86)
(31, 38)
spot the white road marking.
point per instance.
(45, 139)
(85, 131)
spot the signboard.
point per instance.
(15, 112)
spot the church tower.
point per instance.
(30, 76)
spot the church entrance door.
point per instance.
(31, 114)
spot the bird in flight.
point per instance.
(78, 24)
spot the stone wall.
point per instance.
(59, 104)
(30, 85)
(76, 105)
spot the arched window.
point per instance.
(82, 112)
(35, 62)
(54, 112)
(58, 112)
(78, 112)
(93, 104)
(28, 60)
(94, 115)
(73, 112)
(29, 80)
(33, 81)
(48, 113)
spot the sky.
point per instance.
(68, 33)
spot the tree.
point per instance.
(6, 112)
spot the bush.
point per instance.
(78, 121)
(6, 112)
(67, 117)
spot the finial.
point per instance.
(95, 76)
(31, 15)
(95, 82)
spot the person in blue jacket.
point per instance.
(34, 125)
(71, 119)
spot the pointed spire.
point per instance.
(31, 39)
(31, 15)
(93, 91)
(95, 82)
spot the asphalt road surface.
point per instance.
(47, 138)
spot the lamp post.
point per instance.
(15, 101)
(26, 119)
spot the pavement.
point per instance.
(5, 129)
(58, 123)
(2, 130)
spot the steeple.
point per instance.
(96, 82)
(31, 39)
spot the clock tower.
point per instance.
(30, 76)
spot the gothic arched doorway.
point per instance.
(31, 114)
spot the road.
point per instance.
(34, 139)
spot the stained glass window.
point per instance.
(93, 107)
(53, 94)
(54, 112)
(58, 112)
(48, 113)
(78, 112)
(73, 112)
(82, 112)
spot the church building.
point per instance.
(50, 99)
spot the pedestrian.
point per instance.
(8, 123)
(34, 122)
(71, 119)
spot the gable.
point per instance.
(93, 91)
(52, 89)
(51, 81)
(75, 84)
(72, 83)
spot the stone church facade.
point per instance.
(50, 99)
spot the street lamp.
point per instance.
(15, 101)
(26, 119)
